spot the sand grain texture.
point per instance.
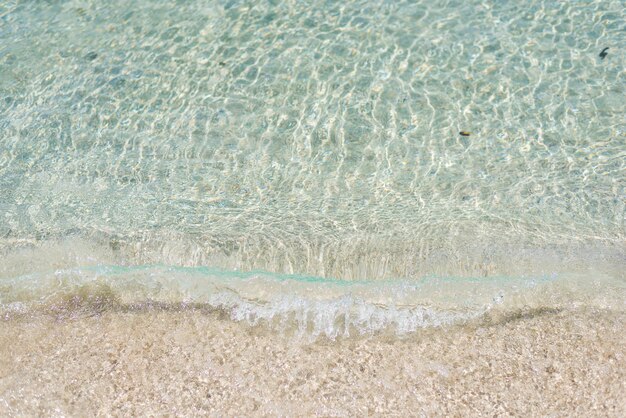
(189, 363)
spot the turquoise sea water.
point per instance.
(301, 162)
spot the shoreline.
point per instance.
(179, 362)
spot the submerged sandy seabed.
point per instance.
(189, 362)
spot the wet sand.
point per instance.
(189, 362)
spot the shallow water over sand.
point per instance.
(317, 141)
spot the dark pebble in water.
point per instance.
(464, 133)
(222, 63)
(603, 53)
(91, 56)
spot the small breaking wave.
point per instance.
(303, 306)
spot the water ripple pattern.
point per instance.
(317, 137)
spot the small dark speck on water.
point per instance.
(603, 53)
(91, 56)
(464, 133)
(222, 63)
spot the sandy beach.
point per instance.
(191, 362)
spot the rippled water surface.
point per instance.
(318, 140)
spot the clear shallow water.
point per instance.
(320, 140)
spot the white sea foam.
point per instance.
(303, 306)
